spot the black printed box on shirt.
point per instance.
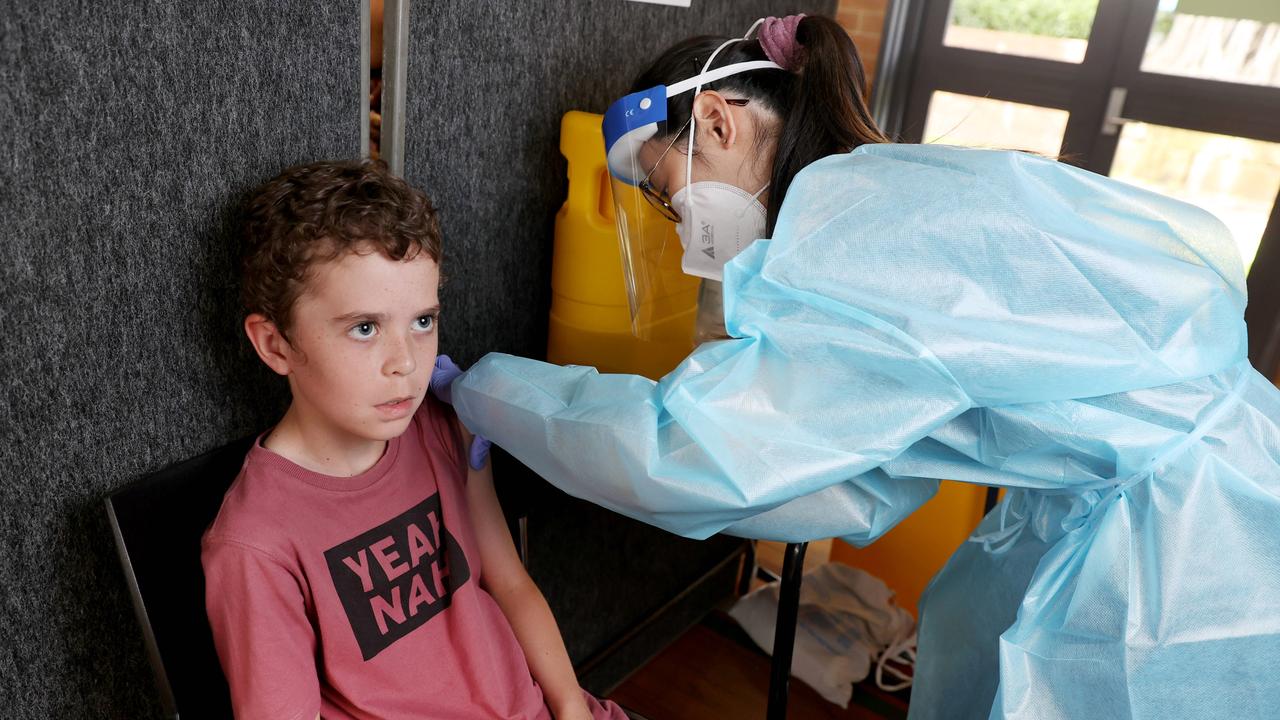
(395, 577)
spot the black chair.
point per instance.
(157, 522)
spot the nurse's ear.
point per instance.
(715, 120)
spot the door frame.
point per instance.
(914, 63)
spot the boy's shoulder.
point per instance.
(254, 508)
(439, 429)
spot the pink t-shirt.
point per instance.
(359, 597)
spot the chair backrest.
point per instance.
(157, 522)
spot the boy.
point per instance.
(358, 568)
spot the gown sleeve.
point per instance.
(740, 428)
(904, 286)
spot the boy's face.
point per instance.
(363, 345)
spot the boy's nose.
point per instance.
(400, 359)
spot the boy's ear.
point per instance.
(714, 118)
(271, 344)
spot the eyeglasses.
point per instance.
(659, 198)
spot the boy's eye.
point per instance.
(362, 331)
(424, 323)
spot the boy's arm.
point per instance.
(264, 639)
(521, 601)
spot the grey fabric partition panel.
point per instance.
(129, 131)
(488, 83)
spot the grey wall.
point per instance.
(128, 129)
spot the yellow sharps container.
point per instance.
(590, 316)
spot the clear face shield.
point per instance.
(650, 248)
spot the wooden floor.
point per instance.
(715, 672)
(708, 674)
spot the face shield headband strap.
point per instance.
(705, 77)
(720, 73)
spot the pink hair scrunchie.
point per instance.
(778, 38)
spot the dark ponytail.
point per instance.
(828, 112)
(821, 105)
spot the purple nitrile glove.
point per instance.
(479, 453)
(442, 377)
(441, 385)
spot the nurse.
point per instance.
(894, 314)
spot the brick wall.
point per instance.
(864, 20)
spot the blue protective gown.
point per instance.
(992, 317)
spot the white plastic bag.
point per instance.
(847, 622)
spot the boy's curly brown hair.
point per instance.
(314, 213)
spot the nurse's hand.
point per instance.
(441, 384)
(442, 377)
(478, 455)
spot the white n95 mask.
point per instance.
(717, 221)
